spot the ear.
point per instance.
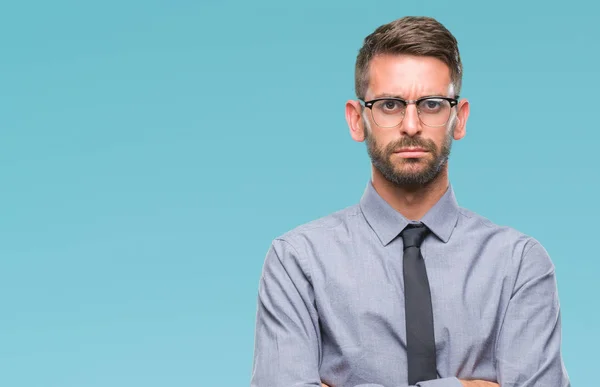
(355, 123)
(462, 114)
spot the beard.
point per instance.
(413, 171)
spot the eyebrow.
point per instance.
(387, 95)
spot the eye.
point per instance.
(390, 106)
(432, 105)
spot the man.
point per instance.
(406, 287)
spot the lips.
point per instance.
(411, 153)
(410, 150)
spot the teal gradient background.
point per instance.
(151, 150)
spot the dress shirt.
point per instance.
(331, 302)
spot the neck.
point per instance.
(412, 202)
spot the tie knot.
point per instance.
(414, 234)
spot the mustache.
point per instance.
(411, 142)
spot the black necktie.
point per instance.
(420, 338)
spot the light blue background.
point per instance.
(151, 150)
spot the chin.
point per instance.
(412, 165)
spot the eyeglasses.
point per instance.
(432, 111)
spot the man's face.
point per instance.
(410, 153)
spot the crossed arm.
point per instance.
(287, 337)
(465, 383)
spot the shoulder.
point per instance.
(519, 245)
(321, 229)
(294, 247)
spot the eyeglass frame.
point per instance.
(453, 102)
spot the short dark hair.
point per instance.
(410, 35)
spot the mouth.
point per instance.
(411, 153)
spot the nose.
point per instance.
(411, 125)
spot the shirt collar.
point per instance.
(388, 223)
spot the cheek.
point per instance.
(384, 138)
(439, 137)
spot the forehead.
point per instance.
(408, 76)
